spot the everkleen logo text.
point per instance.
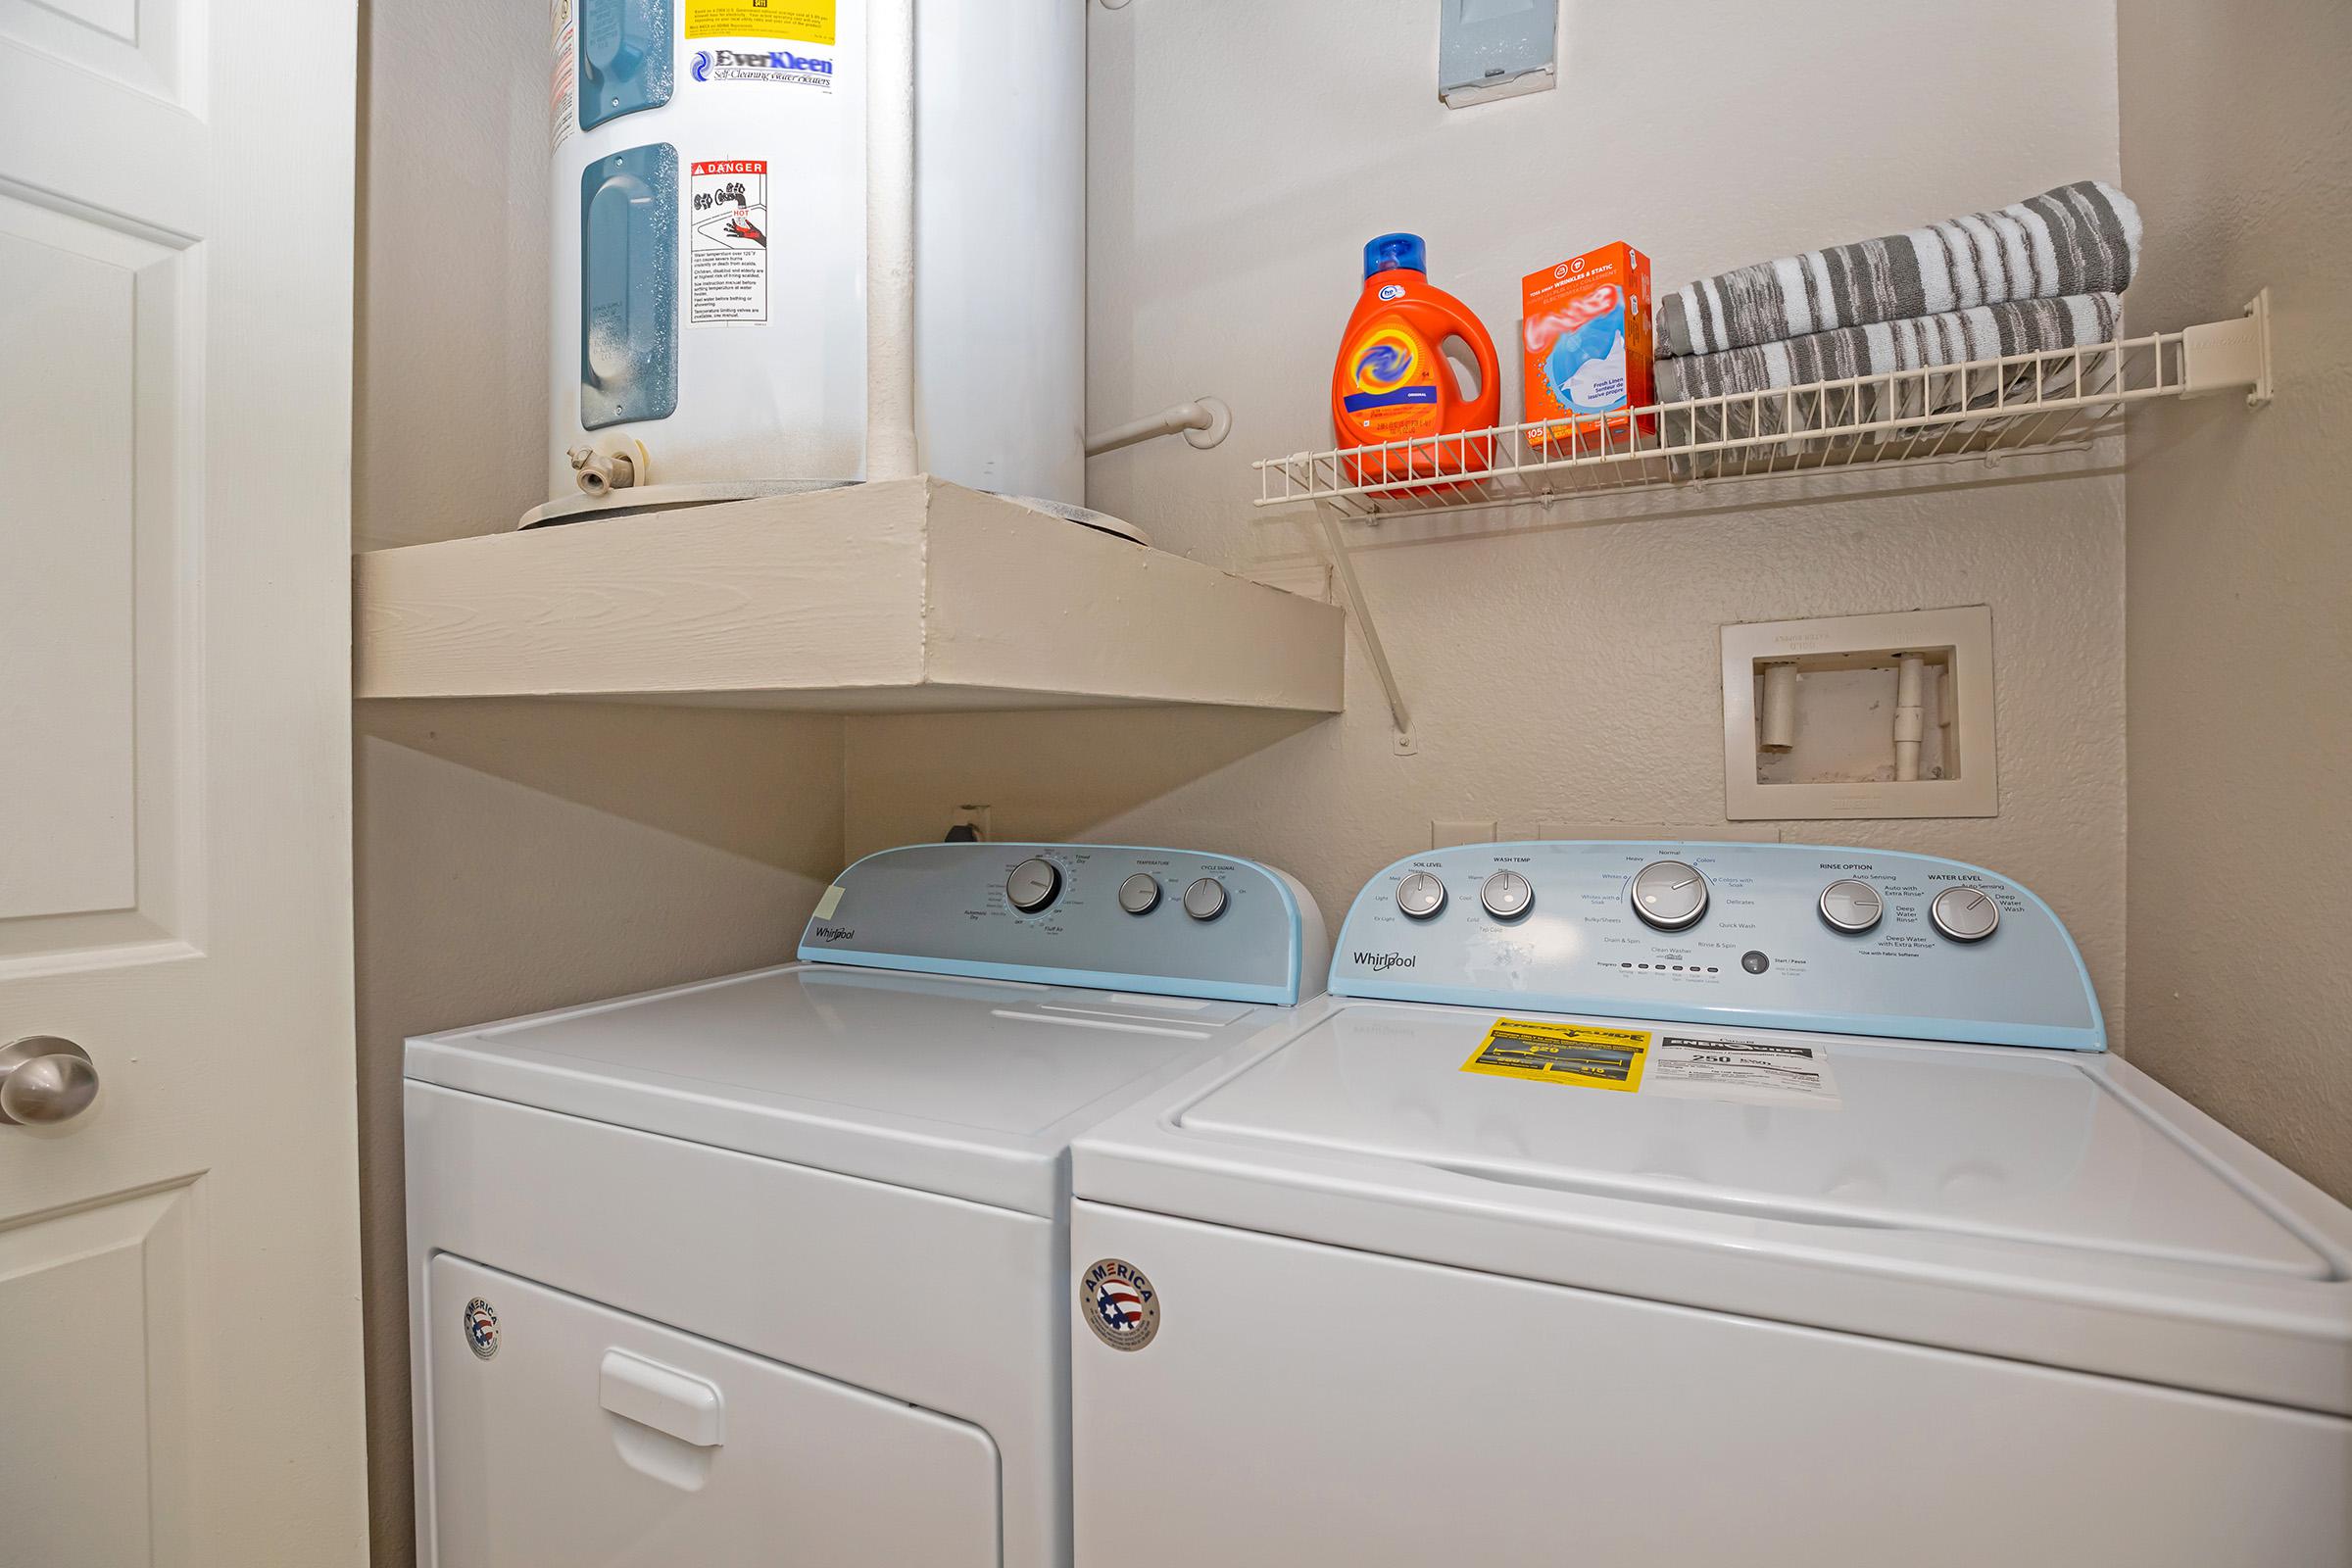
(769, 65)
(1379, 962)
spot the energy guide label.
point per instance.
(726, 249)
(1584, 1055)
(1747, 1071)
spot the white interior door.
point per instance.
(179, 1336)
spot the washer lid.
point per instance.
(1925, 1139)
(2062, 1209)
(968, 1088)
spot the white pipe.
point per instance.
(890, 451)
(1776, 729)
(1910, 675)
(1204, 422)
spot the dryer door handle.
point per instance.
(669, 1402)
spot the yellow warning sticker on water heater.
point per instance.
(1563, 1054)
(803, 20)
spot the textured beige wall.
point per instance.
(2237, 141)
(1560, 664)
(513, 856)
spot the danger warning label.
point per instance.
(727, 248)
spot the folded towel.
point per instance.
(2082, 239)
(1987, 333)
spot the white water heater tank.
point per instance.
(721, 325)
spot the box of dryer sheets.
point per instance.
(1585, 326)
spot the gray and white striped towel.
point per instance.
(1876, 411)
(1954, 337)
(2078, 239)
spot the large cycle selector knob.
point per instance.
(1204, 898)
(1851, 906)
(1033, 884)
(1670, 895)
(1965, 915)
(1506, 895)
(1420, 896)
(1140, 894)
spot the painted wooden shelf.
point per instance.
(907, 596)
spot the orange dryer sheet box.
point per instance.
(1584, 327)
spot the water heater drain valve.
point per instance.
(600, 474)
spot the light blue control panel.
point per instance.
(1167, 923)
(1759, 935)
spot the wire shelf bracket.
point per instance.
(1359, 611)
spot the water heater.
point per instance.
(807, 242)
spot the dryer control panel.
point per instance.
(1167, 923)
(1782, 936)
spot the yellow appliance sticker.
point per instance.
(1563, 1054)
(804, 21)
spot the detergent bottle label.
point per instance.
(1391, 380)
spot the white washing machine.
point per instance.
(1657, 1205)
(770, 1270)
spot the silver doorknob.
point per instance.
(45, 1080)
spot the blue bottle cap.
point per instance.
(1392, 251)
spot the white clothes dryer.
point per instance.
(770, 1269)
(1656, 1205)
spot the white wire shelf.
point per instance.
(2018, 402)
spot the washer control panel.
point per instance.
(1169, 923)
(1782, 936)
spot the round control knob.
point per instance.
(1965, 915)
(1420, 896)
(1140, 894)
(1670, 895)
(1851, 906)
(1204, 898)
(1033, 884)
(1506, 895)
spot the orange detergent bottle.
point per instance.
(1397, 403)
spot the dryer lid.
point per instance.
(967, 1087)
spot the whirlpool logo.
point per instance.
(1382, 963)
(834, 933)
(771, 65)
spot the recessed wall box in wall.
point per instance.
(1860, 716)
(1490, 49)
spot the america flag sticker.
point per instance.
(1119, 1304)
(481, 1328)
